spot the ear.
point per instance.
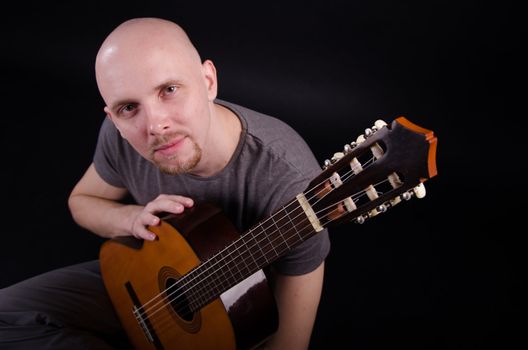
(209, 73)
(108, 112)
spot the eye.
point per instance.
(127, 109)
(169, 90)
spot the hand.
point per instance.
(173, 204)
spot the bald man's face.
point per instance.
(160, 99)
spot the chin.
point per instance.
(173, 168)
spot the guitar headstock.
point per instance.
(386, 165)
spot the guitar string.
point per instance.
(164, 294)
(160, 321)
(264, 247)
(216, 263)
(163, 321)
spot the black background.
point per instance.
(438, 273)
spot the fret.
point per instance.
(220, 265)
(269, 237)
(248, 249)
(188, 285)
(279, 231)
(232, 266)
(294, 226)
(258, 243)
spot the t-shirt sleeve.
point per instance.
(308, 255)
(106, 159)
(303, 168)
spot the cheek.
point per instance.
(136, 137)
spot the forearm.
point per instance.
(297, 299)
(104, 217)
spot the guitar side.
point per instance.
(137, 273)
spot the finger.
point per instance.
(167, 204)
(139, 228)
(143, 233)
(185, 201)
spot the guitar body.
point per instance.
(138, 275)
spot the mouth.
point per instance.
(167, 149)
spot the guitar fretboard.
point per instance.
(256, 248)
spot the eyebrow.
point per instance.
(157, 87)
(167, 83)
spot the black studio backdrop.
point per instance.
(436, 273)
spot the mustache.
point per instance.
(165, 139)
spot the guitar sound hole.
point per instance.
(178, 300)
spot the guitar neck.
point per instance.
(256, 248)
(383, 167)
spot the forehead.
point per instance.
(132, 73)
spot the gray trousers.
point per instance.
(67, 308)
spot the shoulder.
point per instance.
(108, 128)
(274, 137)
(108, 134)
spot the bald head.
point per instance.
(136, 40)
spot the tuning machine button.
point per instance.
(378, 124)
(337, 156)
(419, 191)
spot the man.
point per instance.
(168, 142)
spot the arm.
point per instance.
(297, 300)
(94, 205)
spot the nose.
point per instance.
(158, 119)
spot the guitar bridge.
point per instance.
(142, 318)
(143, 324)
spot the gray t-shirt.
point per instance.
(270, 166)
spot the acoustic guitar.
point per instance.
(200, 284)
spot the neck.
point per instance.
(224, 135)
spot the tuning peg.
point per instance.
(406, 195)
(381, 208)
(327, 163)
(418, 192)
(360, 139)
(360, 219)
(368, 132)
(347, 149)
